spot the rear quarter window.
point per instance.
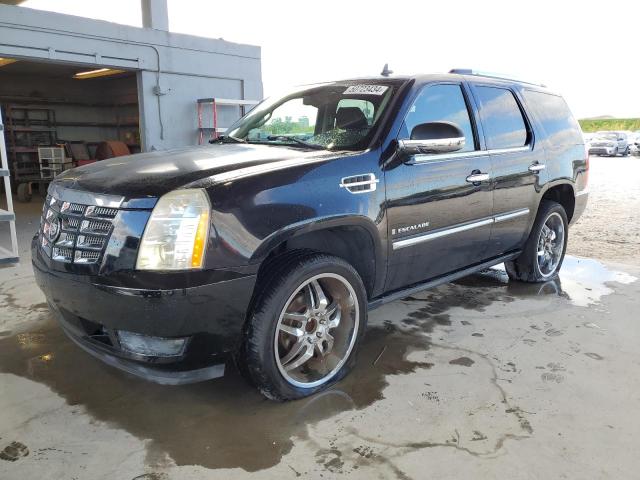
(556, 118)
(501, 117)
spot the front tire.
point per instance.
(304, 329)
(544, 250)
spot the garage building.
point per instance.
(74, 80)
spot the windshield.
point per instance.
(606, 136)
(334, 116)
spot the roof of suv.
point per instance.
(470, 77)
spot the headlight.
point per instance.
(176, 233)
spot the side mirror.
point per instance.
(433, 137)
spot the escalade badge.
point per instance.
(409, 228)
(53, 232)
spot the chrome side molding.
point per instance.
(503, 217)
(407, 242)
(509, 215)
(421, 158)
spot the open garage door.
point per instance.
(58, 116)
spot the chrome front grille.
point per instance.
(66, 240)
(72, 208)
(90, 242)
(62, 254)
(95, 227)
(69, 223)
(83, 256)
(73, 232)
(100, 212)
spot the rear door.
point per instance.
(517, 162)
(438, 220)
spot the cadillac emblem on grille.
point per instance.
(52, 229)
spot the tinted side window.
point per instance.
(437, 103)
(556, 118)
(502, 120)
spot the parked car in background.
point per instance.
(270, 249)
(634, 143)
(610, 144)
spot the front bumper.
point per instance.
(602, 150)
(211, 316)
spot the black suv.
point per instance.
(271, 244)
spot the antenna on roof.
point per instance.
(385, 70)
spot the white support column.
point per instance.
(155, 14)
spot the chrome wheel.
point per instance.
(316, 330)
(551, 245)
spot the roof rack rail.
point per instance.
(501, 76)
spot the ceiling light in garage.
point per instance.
(101, 72)
(6, 61)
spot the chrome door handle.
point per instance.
(537, 167)
(478, 177)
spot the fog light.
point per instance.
(151, 346)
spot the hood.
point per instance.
(156, 173)
(603, 141)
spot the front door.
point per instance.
(439, 218)
(517, 162)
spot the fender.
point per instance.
(378, 239)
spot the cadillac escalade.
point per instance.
(270, 245)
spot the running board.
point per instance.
(398, 294)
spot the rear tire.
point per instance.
(307, 321)
(543, 253)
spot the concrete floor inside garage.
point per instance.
(481, 378)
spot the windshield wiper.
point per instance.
(227, 139)
(315, 146)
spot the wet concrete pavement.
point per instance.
(478, 379)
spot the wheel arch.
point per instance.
(564, 194)
(355, 239)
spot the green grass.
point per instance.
(593, 125)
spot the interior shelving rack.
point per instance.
(7, 255)
(28, 127)
(214, 129)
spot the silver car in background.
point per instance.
(610, 144)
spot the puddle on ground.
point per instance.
(586, 281)
(583, 281)
(225, 423)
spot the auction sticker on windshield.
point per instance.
(365, 90)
